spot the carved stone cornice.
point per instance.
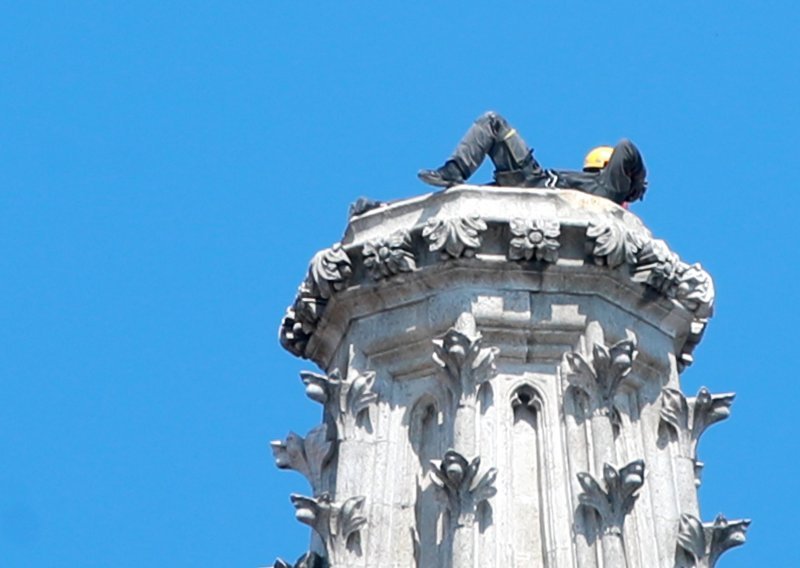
(614, 502)
(454, 237)
(690, 417)
(335, 523)
(700, 545)
(307, 456)
(463, 488)
(328, 272)
(599, 379)
(565, 230)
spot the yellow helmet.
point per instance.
(597, 158)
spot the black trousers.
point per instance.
(491, 135)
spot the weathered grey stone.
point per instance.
(534, 239)
(689, 418)
(307, 456)
(700, 545)
(454, 237)
(387, 256)
(599, 378)
(337, 524)
(543, 331)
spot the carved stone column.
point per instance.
(500, 387)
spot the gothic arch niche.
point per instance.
(426, 435)
(528, 483)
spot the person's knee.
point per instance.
(492, 118)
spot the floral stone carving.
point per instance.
(700, 545)
(613, 244)
(600, 378)
(662, 270)
(535, 239)
(454, 237)
(308, 560)
(690, 417)
(329, 271)
(346, 400)
(460, 354)
(617, 500)
(464, 489)
(390, 255)
(292, 334)
(337, 524)
(307, 455)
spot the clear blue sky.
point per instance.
(167, 170)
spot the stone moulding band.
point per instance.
(597, 234)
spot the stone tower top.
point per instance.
(501, 388)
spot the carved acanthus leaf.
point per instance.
(534, 239)
(617, 500)
(689, 418)
(600, 378)
(656, 266)
(347, 401)
(704, 543)
(614, 243)
(329, 271)
(675, 410)
(708, 409)
(459, 480)
(688, 284)
(307, 455)
(723, 535)
(455, 237)
(334, 522)
(692, 537)
(390, 255)
(460, 354)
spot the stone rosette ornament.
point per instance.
(534, 239)
(387, 256)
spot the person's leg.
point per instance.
(490, 135)
(624, 175)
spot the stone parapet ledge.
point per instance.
(515, 238)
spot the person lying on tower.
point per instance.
(616, 173)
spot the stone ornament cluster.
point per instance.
(536, 241)
(688, 418)
(466, 364)
(347, 402)
(596, 376)
(701, 544)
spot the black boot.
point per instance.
(446, 176)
